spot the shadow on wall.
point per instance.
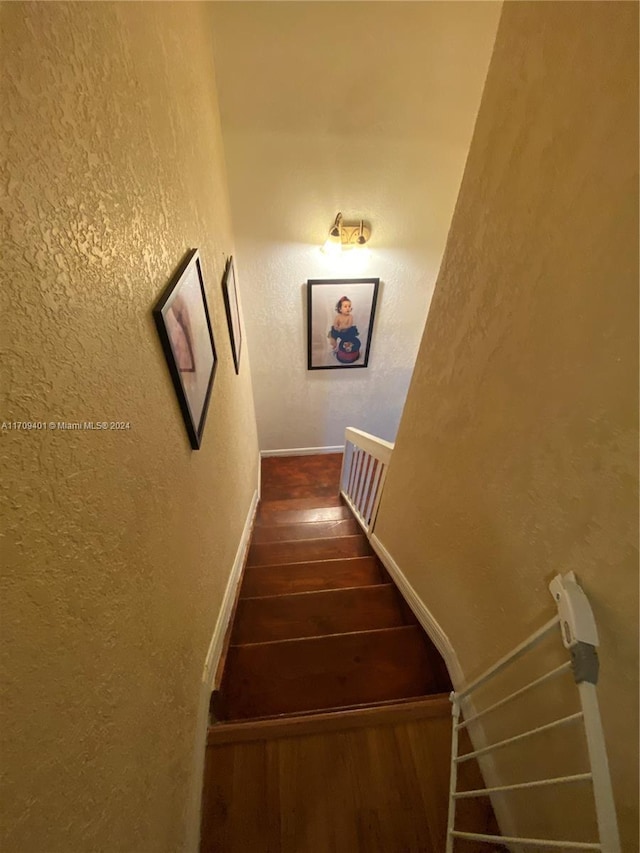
(351, 401)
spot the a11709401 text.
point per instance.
(64, 426)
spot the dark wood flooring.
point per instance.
(322, 642)
(293, 477)
(373, 781)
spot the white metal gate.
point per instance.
(577, 627)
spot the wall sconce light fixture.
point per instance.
(346, 235)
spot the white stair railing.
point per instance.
(578, 631)
(364, 468)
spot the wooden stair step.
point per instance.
(306, 530)
(300, 476)
(293, 676)
(305, 550)
(316, 613)
(302, 577)
(361, 716)
(297, 516)
(271, 507)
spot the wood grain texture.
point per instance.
(306, 530)
(320, 574)
(311, 614)
(270, 515)
(382, 713)
(286, 477)
(378, 788)
(317, 673)
(269, 508)
(298, 551)
(328, 741)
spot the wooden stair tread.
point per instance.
(296, 516)
(289, 676)
(305, 550)
(301, 476)
(317, 612)
(340, 719)
(283, 578)
(272, 507)
(306, 530)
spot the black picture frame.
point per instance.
(182, 319)
(232, 308)
(339, 336)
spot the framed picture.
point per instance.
(182, 320)
(230, 293)
(340, 315)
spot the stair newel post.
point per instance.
(453, 780)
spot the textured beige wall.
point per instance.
(118, 544)
(364, 108)
(516, 455)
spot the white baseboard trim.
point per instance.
(259, 476)
(302, 451)
(212, 659)
(217, 640)
(422, 613)
(443, 644)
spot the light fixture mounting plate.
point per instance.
(351, 231)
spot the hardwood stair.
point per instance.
(331, 726)
(285, 578)
(305, 550)
(281, 532)
(270, 509)
(332, 671)
(318, 611)
(278, 512)
(318, 623)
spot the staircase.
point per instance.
(319, 625)
(327, 674)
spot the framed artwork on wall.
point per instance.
(182, 319)
(340, 315)
(230, 293)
